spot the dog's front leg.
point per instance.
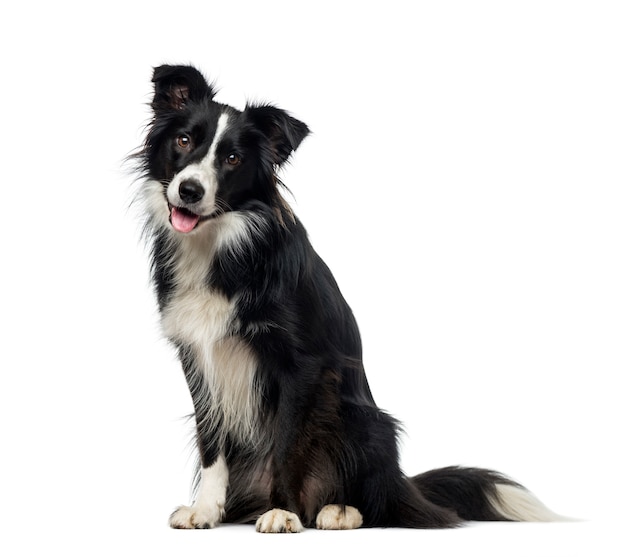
(288, 471)
(208, 508)
(283, 516)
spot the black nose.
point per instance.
(190, 191)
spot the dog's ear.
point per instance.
(174, 86)
(284, 132)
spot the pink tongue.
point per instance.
(183, 221)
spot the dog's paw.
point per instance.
(278, 520)
(338, 517)
(189, 518)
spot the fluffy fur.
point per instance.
(288, 432)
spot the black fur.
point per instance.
(321, 438)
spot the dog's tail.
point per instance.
(479, 494)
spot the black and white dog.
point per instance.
(288, 432)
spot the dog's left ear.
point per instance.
(175, 86)
(284, 132)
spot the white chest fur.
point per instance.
(202, 319)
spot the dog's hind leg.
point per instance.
(338, 517)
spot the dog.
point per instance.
(288, 433)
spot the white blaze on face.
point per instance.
(203, 172)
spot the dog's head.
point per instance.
(209, 157)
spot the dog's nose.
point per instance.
(190, 191)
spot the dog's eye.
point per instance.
(183, 141)
(233, 159)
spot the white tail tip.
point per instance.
(520, 505)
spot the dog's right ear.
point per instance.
(175, 86)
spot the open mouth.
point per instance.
(184, 221)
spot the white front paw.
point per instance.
(189, 518)
(278, 520)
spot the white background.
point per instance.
(465, 182)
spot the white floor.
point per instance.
(132, 536)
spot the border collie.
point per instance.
(288, 433)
